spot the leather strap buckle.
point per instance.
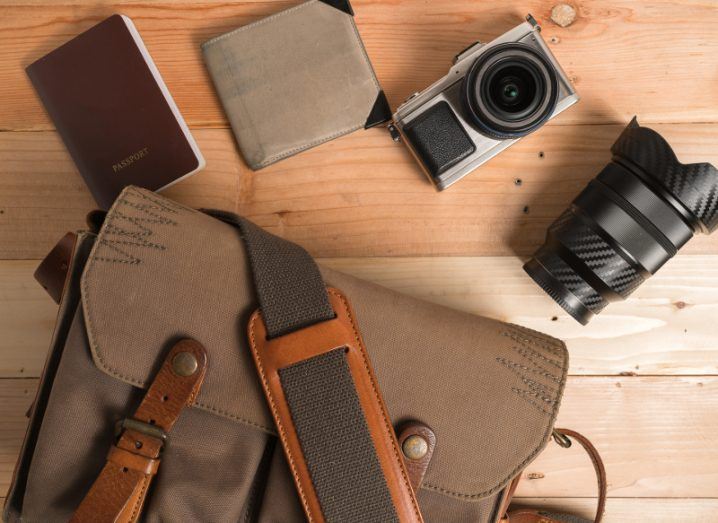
(119, 492)
(153, 431)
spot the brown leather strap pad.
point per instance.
(336, 339)
(119, 492)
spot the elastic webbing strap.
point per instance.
(289, 287)
(335, 440)
(322, 399)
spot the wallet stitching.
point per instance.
(279, 156)
(364, 53)
(324, 139)
(257, 23)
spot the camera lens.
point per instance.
(510, 91)
(630, 220)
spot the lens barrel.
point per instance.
(510, 91)
(629, 221)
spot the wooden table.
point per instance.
(644, 375)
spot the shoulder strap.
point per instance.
(289, 287)
(564, 438)
(321, 389)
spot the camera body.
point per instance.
(494, 94)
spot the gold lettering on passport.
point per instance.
(130, 159)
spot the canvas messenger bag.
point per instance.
(202, 369)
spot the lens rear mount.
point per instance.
(510, 91)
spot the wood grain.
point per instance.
(644, 383)
(27, 319)
(655, 510)
(657, 437)
(361, 195)
(664, 329)
(623, 56)
(16, 396)
(666, 510)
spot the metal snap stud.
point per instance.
(415, 447)
(184, 364)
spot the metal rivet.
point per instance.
(184, 364)
(415, 447)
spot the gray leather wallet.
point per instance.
(295, 80)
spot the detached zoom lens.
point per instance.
(629, 221)
(510, 91)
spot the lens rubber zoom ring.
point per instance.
(571, 280)
(596, 254)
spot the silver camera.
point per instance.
(494, 94)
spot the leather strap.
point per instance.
(563, 437)
(53, 270)
(119, 492)
(321, 389)
(598, 466)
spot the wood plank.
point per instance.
(623, 57)
(16, 396)
(42, 195)
(664, 329)
(27, 319)
(655, 510)
(361, 195)
(670, 510)
(657, 436)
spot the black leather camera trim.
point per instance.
(438, 139)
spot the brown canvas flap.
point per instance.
(160, 272)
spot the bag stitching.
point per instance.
(529, 458)
(558, 348)
(91, 324)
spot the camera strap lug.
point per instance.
(530, 19)
(468, 48)
(394, 132)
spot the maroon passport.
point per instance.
(114, 112)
